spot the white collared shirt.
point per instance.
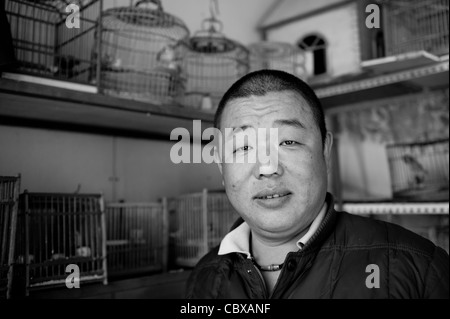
(237, 241)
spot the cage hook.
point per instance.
(214, 9)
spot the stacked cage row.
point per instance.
(56, 230)
(137, 52)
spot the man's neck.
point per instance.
(239, 240)
(270, 252)
(273, 252)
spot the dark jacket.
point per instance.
(334, 264)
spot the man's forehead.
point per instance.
(272, 107)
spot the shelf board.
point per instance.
(372, 208)
(32, 102)
(367, 86)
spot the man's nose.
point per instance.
(268, 165)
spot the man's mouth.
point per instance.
(272, 196)
(272, 199)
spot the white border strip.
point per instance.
(397, 208)
(50, 82)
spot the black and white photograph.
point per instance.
(237, 150)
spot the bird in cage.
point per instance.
(81, 250)
(57, 256)
(167, 58)
(169, 63)
(21, 259)
(418, 172)
(64, 66)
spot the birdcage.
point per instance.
(198, 222)
(416, 26)
(52, 42)
(419, 171)
(137, 237)
(140, 55)
(58, 230)
(279, 56)
(9, 198)
(212, 63)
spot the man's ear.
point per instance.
(327, 149)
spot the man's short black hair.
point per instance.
(259, 83)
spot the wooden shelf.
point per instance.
(370, 85)
(30, 103)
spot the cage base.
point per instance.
(429, 194)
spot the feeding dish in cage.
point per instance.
(212, 63)
(419, 171)
(141, 56)
(277, 55)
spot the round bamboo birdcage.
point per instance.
(277, 55)
(212, 63)
(140, 56)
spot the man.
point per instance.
(290, 242)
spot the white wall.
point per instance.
(288, 9)
(55, 161)
(338, 27)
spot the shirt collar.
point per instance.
(237, 241)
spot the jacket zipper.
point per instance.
(276, 284)
(261, 278)
(262, 281)
(281, 274)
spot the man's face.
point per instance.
(281, 200)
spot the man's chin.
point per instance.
(272, 223)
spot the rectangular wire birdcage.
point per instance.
(137, 236)
(9, 197)
(416, 25)
(419, 171)
(45, 45)
(199, 222)
(57, 230)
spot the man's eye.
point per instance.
(243, 148)
(288, 143)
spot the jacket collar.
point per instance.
(326, 227)
(237, 241)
